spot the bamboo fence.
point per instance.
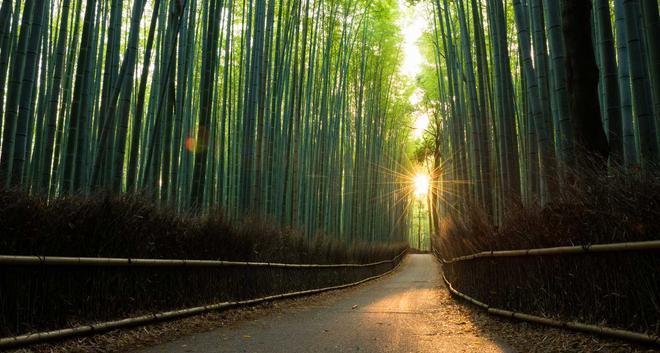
(560, 250)
(96, 328)
(602, 330)
(124, 262)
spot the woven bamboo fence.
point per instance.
(561, 250)
(642, 246)
(100, 261)
(332, 274)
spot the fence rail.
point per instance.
(601, 330)
(597, 248)
(560, 250)
(124, 262)
(168, 315)
(96, 328)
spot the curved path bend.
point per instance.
(407, 311)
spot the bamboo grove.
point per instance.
(497, 85)
(289, 109)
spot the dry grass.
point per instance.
(131, 226)
(35, 298)
(612, 289)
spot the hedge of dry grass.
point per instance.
(613, 289)
(34, 298)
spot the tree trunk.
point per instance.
(582, 81)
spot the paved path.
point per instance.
(408, 311)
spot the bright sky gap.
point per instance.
(413, 24)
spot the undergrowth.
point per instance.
(38, 298)
(618, 207)
(130, 226)
(618, 289)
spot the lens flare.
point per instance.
(199, 143)
(421, 182)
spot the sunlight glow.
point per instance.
(416, 97)
(421, 124)
(413, 23)
(422, 183)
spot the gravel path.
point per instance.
(409, 311)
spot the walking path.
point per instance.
(408, 311)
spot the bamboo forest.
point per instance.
(251, 106)
(502, 155)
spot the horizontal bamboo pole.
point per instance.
(98, 261)
(151, 318)
(601, 330)
(470, 299)
(560, 250)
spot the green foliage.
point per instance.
(287, 109)
(496, 84)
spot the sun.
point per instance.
(421, 183)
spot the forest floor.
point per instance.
(408, 311)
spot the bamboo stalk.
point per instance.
(150, 318)
(560, 250)
(577, 326)
(91, 261)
